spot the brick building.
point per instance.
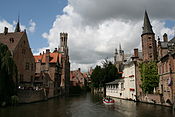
(166, 70)
(17, 43)
(77, 78)
(48, 71)
(55, 67)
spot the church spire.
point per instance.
(18, 29)
(120, 48)
(147, 28)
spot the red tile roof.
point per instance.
(54, 57)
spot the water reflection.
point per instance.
(86, 105)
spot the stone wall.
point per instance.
(28, 96)
(150, 98)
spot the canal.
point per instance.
(86, 105)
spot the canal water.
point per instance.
(86, 105)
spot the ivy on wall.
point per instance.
(149, 76)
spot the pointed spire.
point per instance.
(147, 28)
(120, 48)
(116, 52)
(18, 29)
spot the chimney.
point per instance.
(5, 30)
(165, 38)
(55, 50)
(47, 58)
(136, 52)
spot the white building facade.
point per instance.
(125, 87)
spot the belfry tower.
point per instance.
(63, 43)
(149, 48)
(65, 73)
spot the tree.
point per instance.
(97, 74)
(150, 77)
(106, 73)
(8, 71)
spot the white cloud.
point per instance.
(96, 28)
(11, 26)
(32, 26)
(4, 23)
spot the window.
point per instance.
(21, 77)
(122, 86)
(11, 40)
(27, 66)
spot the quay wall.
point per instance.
(28, 96)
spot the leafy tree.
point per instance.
(106, 73)
(150, 77)
(97, 74)
(8, 71)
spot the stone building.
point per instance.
(55, 66)
(149, 46)
(18, 44)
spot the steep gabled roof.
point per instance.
(147, 28)
(11, 39)
(172, 40)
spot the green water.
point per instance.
(86, 105)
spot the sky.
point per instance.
(95, 27)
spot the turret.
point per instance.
(147, 28)
(149, 48)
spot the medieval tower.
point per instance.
(149, 49)
(65, 75)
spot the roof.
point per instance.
(54, 58)
(116, 81)
(76, 74)
(147, 28)
(11, 39)
(172, 40)
(166, 44)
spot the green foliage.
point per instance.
(8, 70)
(102, 75)
(150, 77)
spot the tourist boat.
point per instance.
(108, 101)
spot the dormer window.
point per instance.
(11, 40)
